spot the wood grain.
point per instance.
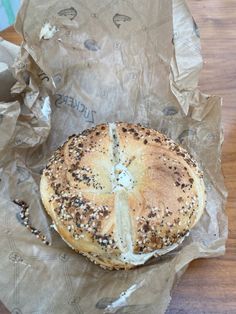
(11, 35)
(209, 285)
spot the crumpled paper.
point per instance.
(83, 63)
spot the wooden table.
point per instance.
(209, 285)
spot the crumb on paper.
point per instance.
(48, 31)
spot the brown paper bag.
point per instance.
(83, 63)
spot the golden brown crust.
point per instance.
(119, 179)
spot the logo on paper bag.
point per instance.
(71, 13)
(86, 113)
(118, 19)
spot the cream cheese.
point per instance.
(122, 300)
(48, 31)
(121, 178)
(123, 223)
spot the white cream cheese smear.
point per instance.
(122, 300)
(121, 178)
(48, 31)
